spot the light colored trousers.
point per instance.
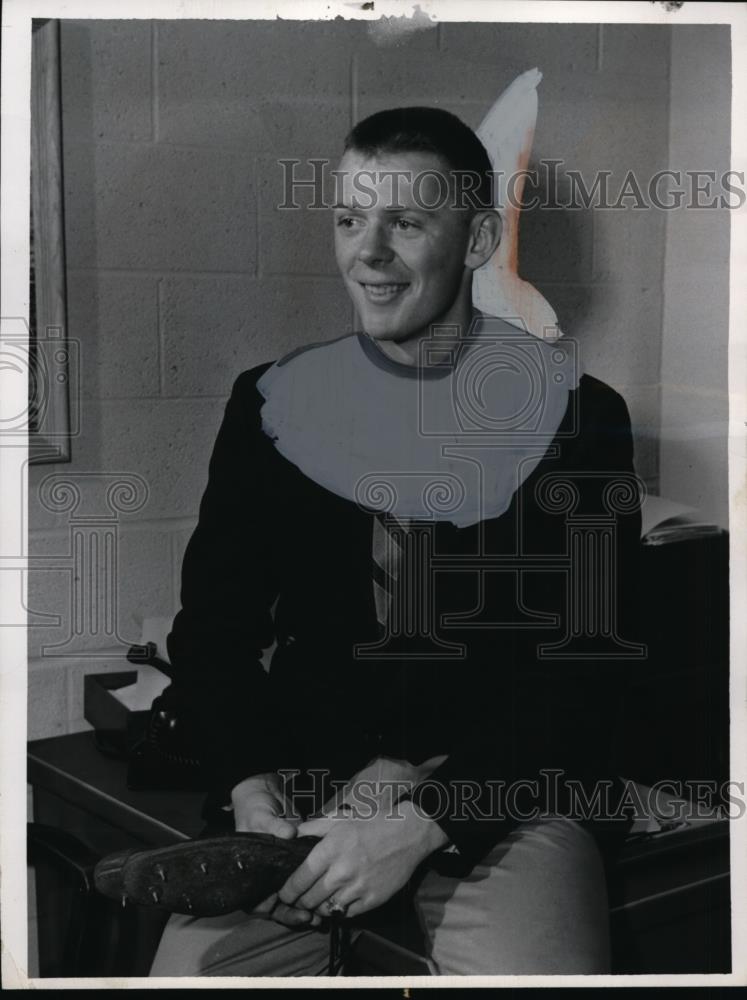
(536, 904)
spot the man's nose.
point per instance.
(374, 245)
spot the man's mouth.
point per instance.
(382, 292)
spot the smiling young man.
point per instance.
(407, 248)
(370, 502)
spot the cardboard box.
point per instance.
(117, 728)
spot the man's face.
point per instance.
(403, 262)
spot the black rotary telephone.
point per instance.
(165, 756)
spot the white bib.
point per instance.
(445, 443)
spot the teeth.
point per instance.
(387, 291)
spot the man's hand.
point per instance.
(290, 916)
(260, 807)
(361, 862)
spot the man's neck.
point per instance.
(449, 335)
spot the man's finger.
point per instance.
(356, 908)
(292, 917)
(348, 899)
(272, 909)
(289, 812)
(316, 827)
(302, 879)
(319, 893)
(266, 822)
(266, 907)
(283, 828)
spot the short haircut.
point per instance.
(429, 130)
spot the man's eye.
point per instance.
(346, 222)
(405, 224)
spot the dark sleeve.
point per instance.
(557, 715)
(228, 588)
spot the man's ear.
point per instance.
(485, 235)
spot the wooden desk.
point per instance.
(78, 789)
(73, 780)
(669, 899)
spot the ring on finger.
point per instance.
(335, 908)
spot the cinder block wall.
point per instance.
(182, 273)
(695, 330)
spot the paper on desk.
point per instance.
(139, 696)
(661, 810)
(657, 510)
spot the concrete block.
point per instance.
(159, 208)
(214, 328)
(591, 122)
(617, 327)
(629, 245)
(144, 579)
(105, 69)
(386, 79)
(698, 238)
(555, 245)
(114, 318)
(79, 182)
(599, 121)
(557, 235)
(694, 449)
(695, 336)
(301, 126)
(102, 596)
(638, 49)
(644, 406)
(401, 34)
(700, 84)
(166, 442)
(268, 86)
(47, 699)
(621, 340)
(296, 240)
(572, 305)
(50, 586)
(646, 460)
(455, 80)
(547, 46)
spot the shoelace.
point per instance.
(339, 940)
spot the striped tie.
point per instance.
(388, 552)
(403, 591)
